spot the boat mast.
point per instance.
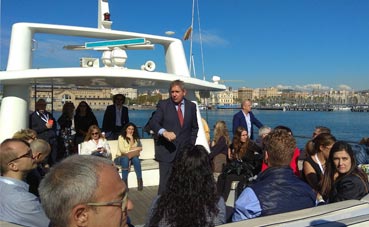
(103, 18)
(201, 50)
(191, 38)
(189, 34)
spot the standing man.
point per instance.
(246, 119)
(17, 205)
(44, 124)
(85, 190)
(115, 117)
(175, 124)
(277, 189)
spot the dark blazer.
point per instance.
(239, 120)
(166, 117)
(348, 187)
(109, 118)
(36, 123)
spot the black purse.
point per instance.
(239, 168)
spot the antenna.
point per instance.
(103, 15)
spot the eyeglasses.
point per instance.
(95, 133)
(82, 106)
(27, 155)
(122, 203)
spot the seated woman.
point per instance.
(245, 162)
(343, 180)
(219, 147)
(191, 199)
(315, 164)
(129, 148)
(95, 143)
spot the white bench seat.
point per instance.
(150, 167)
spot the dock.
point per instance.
(141, 203)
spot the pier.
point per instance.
(308, 108)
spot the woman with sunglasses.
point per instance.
(95, 143)
(129, 148)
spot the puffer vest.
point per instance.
(279, 191)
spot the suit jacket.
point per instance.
(110, 117)
(166, 117)
(39, 125)
(239, 120)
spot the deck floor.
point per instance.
(142, 202)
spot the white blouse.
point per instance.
(88, 147)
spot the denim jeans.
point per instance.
(124, 163)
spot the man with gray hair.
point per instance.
(17, 205)
(85, 190)
(263, 132)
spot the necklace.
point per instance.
(319, 163)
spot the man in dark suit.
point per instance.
(115, 117)
(44, 124)
(171, 134)
(246, 119)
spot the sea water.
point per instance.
(345, 125)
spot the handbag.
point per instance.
(239, 168)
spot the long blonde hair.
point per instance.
(220, 130)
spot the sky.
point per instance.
(296, 44)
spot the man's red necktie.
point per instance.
(180, 115)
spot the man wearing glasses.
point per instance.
(17, 205)
(85, 190)
(115, 117)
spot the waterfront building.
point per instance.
(245, 93)
(128, 92)
(269, 92)
(97, 98)
(225, 97)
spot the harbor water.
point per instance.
(345, 125)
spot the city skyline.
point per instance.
(305, 44)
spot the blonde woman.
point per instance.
(95, 143)
(219, 146)
(129, 148)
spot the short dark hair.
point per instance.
(119, 95)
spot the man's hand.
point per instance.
(170, 136)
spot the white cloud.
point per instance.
(306, 87)
(344, 87)
(282, 87)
